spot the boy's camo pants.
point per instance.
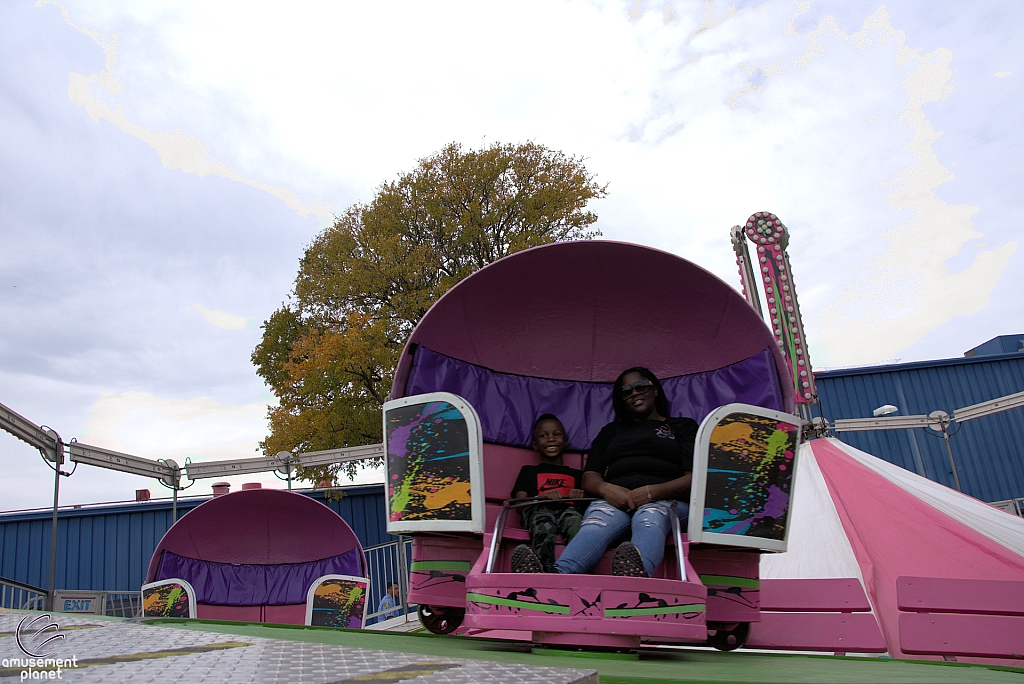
(545, 523)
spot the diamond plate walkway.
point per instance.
(186, 651)
(115, 651)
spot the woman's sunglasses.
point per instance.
(641, 386)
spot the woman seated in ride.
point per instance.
(640, 465)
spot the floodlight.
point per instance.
(315, 459)
(884, 423)
(938, 421)
(174, 478)
(115, 460)
(287, 460)
(886, 410)
(986, 408)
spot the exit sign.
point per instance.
(83, 602)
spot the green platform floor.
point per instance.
(676, 665)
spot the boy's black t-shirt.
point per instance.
(646, 452)
(536, 480)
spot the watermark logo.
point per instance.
(37, 636)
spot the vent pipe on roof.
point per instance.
(221, 488)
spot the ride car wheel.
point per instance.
(441, 619)
(728, 637)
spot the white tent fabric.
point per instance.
(999, 526)
(818, 545)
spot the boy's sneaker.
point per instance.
(627, 561)
(525, 560)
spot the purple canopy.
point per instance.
(256, 547)
(583, 312)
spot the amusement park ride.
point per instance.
(547, 330)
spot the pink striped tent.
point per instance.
(855, 515)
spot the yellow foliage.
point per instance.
(329, 353)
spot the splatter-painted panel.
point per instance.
(428, 463)
(168, 598)
(749, 476)
(339, 602)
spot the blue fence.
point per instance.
(108, 547)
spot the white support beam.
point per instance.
(314, 459)
(30, 433)
(237, 466)
(884, 423)
(126, 463)
(987, 408)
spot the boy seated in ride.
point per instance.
(552, 480)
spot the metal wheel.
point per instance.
(441, 619)
(728, 636)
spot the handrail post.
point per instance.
(499, 525)
(403, 577)
(496, 534)
(677, 534)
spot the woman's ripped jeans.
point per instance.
(603, 525)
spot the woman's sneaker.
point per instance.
(627, 561)
(525, 560)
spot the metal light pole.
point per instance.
(58, 460)
(941, 424)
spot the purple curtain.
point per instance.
(508, 404)
(224, 584)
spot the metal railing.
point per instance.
(386, 563)
(21, 596)
(1014, 506)
(126, 604)
(498, 533)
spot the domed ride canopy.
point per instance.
(550, 328)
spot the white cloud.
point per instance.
(1003, 74)
(197, 429)
(909, 290)
(697, 115)
(177, 149)
(221, 319)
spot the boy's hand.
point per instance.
(553, 494)
(576, 494)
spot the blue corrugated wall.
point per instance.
(109, 547)
(989, 451)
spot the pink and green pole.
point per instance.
(771, 268)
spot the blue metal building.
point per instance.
(988, 451)
(108, 547)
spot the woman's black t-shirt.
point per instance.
(637, 453)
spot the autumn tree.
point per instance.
(330, 351)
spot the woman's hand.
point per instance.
(617, 496)
(643, 495)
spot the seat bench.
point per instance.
(960, 617)
(816, 615)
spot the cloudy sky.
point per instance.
(163, 165)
